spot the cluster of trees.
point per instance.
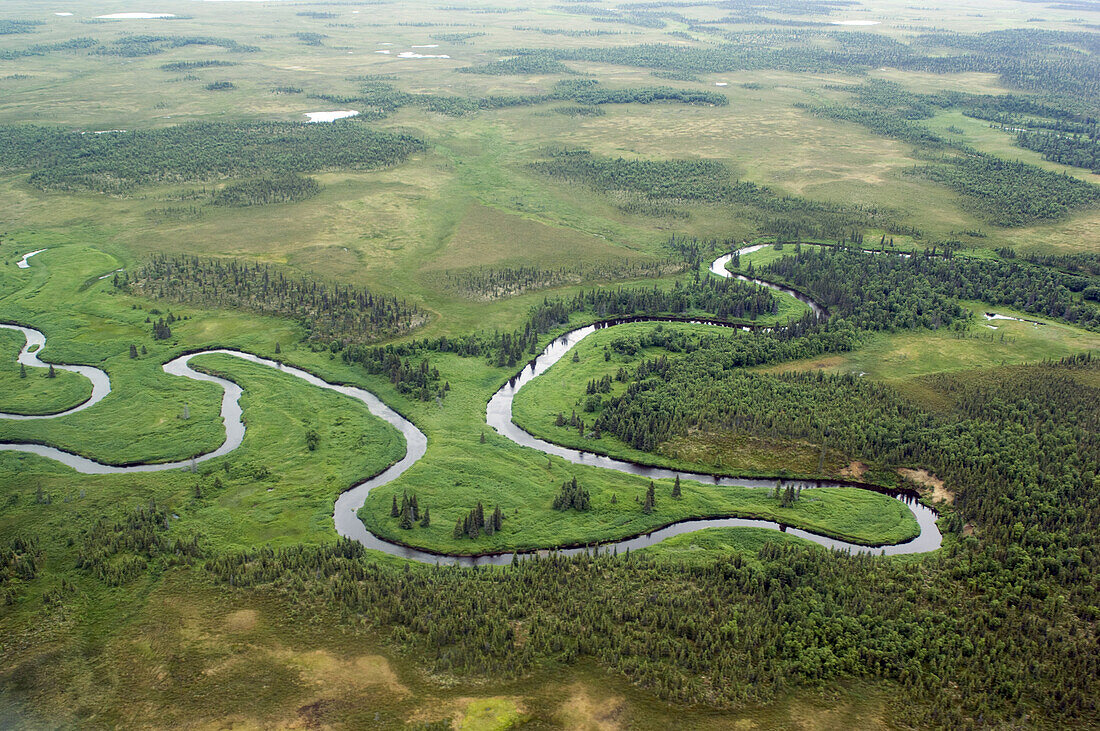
(162, 329)
(1012, 193)
(20, 561)
(409, 512)
(456, 37)
(115, 163)
(384, 98)
(285, 188)
(16, 27)
(1076, 150)
(572, 496)
(396, 362)
(329, 312)
(475, 523)
(498, 283)
(135, 46)
(42, 49)
(591, 33)
(518, 65)
(118, 551)
(181, 66)
(579, 110)
(890, 292)
(311, 39)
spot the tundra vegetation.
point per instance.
(513, 173)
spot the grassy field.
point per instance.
(702, 545)
(29, 390)
(897, 357)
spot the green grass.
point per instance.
(704, 545)
(899, 357)
(36, 394)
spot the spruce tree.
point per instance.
(22, 371)
(394, 510)
(676, 489)
(52, 373)
(407, 518)
(133, 351)
(650, 500)
(458, 529)
(427, 519)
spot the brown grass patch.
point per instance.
(486, 236)
(929, 481)
(583, 712)
(855, 470)
(242, 620)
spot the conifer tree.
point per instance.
(394, 510)
(427, 519)
(676, 489)
(650, 500)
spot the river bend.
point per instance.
(498, 416)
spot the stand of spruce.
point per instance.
(475, 523)
(409, 512)
(572, 496)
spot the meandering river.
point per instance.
(498, 416)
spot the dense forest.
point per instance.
(116, 162)
(1075, 150)
(330, 313)
(1011, 193)
(890, 292)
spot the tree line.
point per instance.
(329, 312)
(876, 291)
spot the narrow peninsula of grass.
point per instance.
(26, 390)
